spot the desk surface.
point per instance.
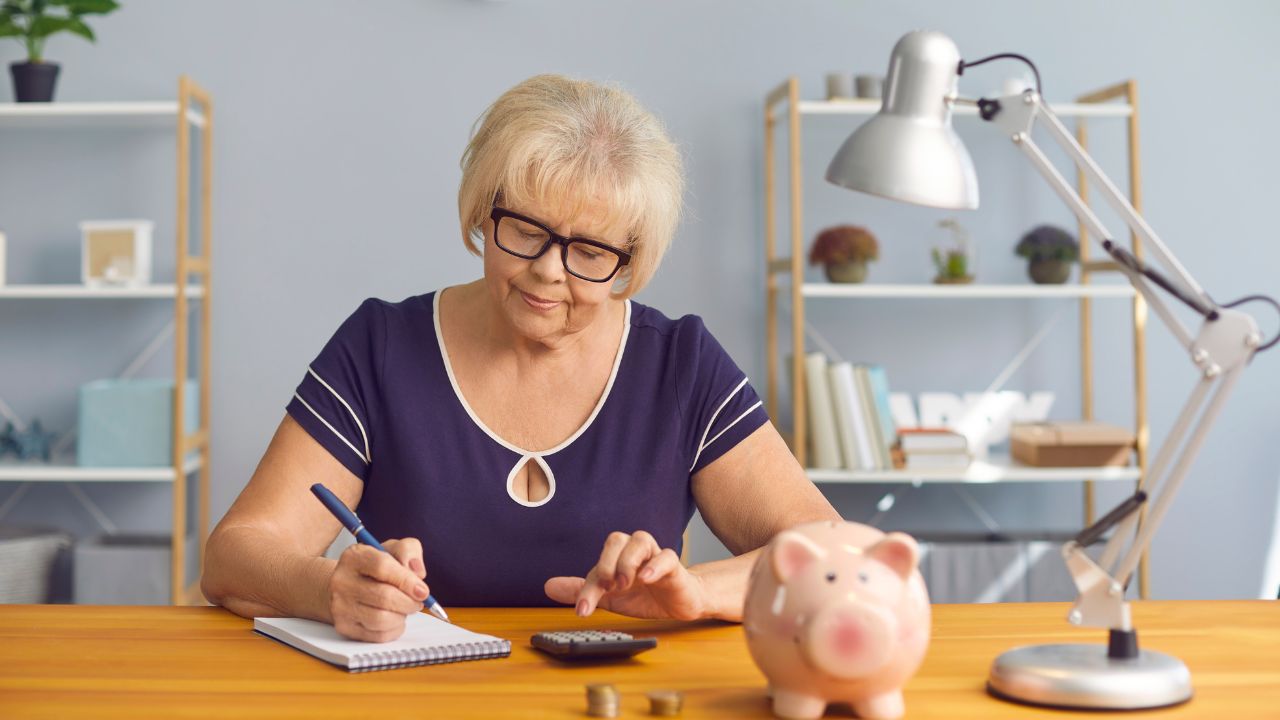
(135, 662)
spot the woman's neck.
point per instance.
(477, 308)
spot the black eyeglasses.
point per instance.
(527, 238)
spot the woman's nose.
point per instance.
(550, 266)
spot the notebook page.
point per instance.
(422, 632)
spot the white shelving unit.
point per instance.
(963, 292)
(84, 292)
(192, 109)
(995, 469)
(783, 107)
(160, 114)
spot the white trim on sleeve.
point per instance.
(331, 428)
(368, 459)
(702, 444)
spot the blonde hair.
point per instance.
(571, 142)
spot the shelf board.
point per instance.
(103, 114)
(871, 107)
(994, 470)
(974, 291)
(65, 470)
(74, 291)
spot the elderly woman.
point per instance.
(535, 435)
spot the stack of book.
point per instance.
(934, 449)
(851, 426)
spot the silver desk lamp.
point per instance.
(909, 152)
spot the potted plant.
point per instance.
(844, 251)
(952, 263)
(32, 22)
(1051, 251)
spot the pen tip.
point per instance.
(439, 612)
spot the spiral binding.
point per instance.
(455, 652)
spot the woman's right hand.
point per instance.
(371, 592)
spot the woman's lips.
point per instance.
(538, 303)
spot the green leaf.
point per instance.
(77, 26)
(8, 29)
(89, 7)
(45, 26)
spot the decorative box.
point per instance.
(129, 423)
(115, 252)
(1070, 444)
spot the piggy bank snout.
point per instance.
(849, 639)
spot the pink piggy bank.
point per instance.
(837, 612)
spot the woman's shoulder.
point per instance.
(646, 318)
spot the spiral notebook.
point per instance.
(427, 640)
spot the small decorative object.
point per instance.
(1051, 251)
(952, 264)
(844, 251)
(116, 252)
(34, 444)
(32, 22)
(839, 86)
(1071, 444)
(837, 612)
(8, 440)
(869, 86)
(129, 422)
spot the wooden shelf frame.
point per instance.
(193, 100)
(783, 105)
(191, 111)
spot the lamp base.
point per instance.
(1083, 677)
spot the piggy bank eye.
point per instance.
(831, 577)
(863, 577)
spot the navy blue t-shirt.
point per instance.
(382, 399)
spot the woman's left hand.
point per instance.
(635, 577)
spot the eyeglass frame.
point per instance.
(554, 238)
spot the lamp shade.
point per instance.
(908, 151)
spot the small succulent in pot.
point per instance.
(1051, 251)
(844, 251)
(952, 264)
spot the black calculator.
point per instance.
(591, 644)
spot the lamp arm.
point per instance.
(1226, 342)
(1117, 200)
(1016, 115)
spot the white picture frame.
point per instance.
(115, 252)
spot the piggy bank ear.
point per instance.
(792, 552)
(899, 551)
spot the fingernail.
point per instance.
(417, 566)
(582, 608)
(646, 574)
(420, 592)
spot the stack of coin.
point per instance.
(666, 703)
(602, 701)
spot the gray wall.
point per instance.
(339, 127)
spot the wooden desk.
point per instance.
(168, 662)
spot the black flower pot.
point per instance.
(1049, 271)
(33, 82)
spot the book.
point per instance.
(938, 461)
(875, 429)
(822, 414)
(932, 439)
(855, 444)
(427, 640)
(879, 381)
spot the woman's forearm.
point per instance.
(725, 582)
(249, 573)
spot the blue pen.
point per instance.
(352, 523)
